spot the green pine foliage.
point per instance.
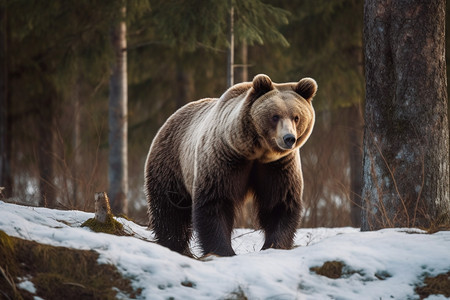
(190, 25)
(258, 22)
(326, 44)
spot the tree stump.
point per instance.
(102, 207)
(104, 220)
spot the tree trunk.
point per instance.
(244, 58)
(230, 51)
(406, 141)
(118, 164)
(46, 151)
(243, 67)
(5, 120)
(76, 142)
(102, 207)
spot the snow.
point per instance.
(27, 285)
(385, 264)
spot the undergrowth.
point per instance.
(57, 272)
(438, 285)
(238, 294)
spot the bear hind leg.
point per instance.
(171, 219)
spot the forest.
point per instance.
(58, 61)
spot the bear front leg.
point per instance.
(213, 220)
(279, 224)
(219, 186)
(278, 197)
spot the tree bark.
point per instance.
(102, 207)
(76, 141)
(244, 60)
(5, 120)
(230, 51)
(406, 141)
(118, 163)
(242, 69)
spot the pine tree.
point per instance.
(118, 124)
(5, 118)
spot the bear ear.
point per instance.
(306, 87)
(262, 84)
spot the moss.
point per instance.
(330, 269)
(125, 217)
(58, 272)
(110, 226)
(438, 285)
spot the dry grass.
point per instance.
(438, 285)
(330, 269)
(57, 272)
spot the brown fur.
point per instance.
(211, 153)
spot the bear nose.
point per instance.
(289, 140)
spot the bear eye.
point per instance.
(296, 119)
(276, 118)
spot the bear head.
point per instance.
(282, 114)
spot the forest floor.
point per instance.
(45, 254)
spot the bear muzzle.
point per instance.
(289, 140)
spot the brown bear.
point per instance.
(213, 153)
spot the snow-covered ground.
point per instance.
(385, 264)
